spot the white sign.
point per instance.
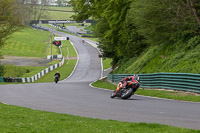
(60, 38)
(60, 21)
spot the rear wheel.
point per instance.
(127, 94)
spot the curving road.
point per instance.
(74, 96)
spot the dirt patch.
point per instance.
(24, 61)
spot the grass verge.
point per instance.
(27, 42)
(23, 120)
(175, 95)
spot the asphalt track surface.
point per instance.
(74, 96)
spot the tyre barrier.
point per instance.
(9, 79)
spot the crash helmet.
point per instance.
(136, 77)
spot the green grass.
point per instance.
(21, 71)
(53, 49)
(28, 42)
(59, 15)
(32, 70)
(60, 8)
(55, 15)
(68, 49)
(93, 39)
(176, 95)
(107, 63)
(23, 120)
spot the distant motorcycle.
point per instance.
(56, 79)
(127, 90)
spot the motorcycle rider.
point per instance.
(124, 81)
(57, 75)
(130, 78)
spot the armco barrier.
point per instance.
(175, 81)
(1, 79)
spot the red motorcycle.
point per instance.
(125, 89)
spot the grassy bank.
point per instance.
(59, 13)
(182, 57)
(28, 42)
(23, 120)
(176, 95)
(56, 15)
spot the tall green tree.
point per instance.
(117, 33)
(9, 22)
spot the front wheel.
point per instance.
(127, 94)
(56, 80)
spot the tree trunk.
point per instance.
(191, 4)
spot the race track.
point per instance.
(74, 96)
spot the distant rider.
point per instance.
(57, 75)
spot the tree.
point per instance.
(163, 21)
(195, 8)
(9, 22)
(118, 37)
(31, 10)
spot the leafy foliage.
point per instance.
(127, 27)
(9, 20)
